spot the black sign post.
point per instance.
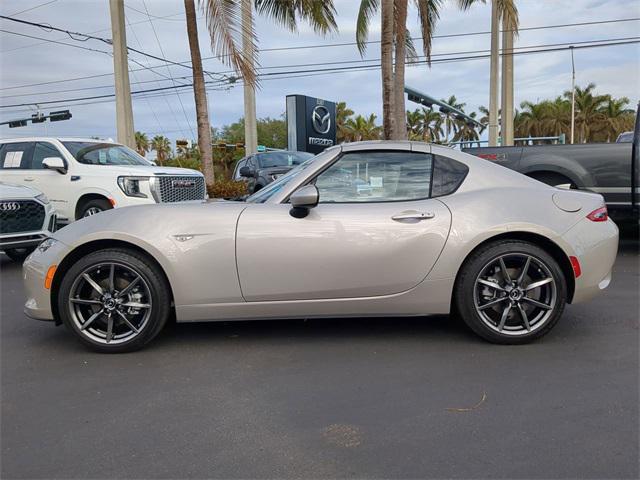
(311, 123)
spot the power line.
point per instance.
(57, 42)
(88, 77)
(287, 74)
(33, 8)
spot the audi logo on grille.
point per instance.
(9, 206)
(183, 183)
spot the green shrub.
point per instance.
(227, 189)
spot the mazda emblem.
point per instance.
(9, 206)
(321, 119)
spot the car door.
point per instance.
(374, 232)
(15, 161)
(54, 184)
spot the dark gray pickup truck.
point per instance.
(611, 169)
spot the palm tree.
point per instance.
(558, 117)
(451, 125)
(342, 114)
(589, 116)
(142, 143)
(162, 147)
(467, 131)
(394, 34)
(361, 128)
(533, 119)
(617, 118)
(432, 130)
(415, 124)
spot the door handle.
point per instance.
(29, 179)
(413, 216)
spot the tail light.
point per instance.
(599, 215)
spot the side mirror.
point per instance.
(246, 172)
(302, 200)
(55, 163)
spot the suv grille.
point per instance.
(180, 189)
(21, 216)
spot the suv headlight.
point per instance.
(42, 198)
(47, 244)
(131, 186)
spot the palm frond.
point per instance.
(223, 19)
(508, 13)
(282, 11)
(321, 14)
(367, 11)
(428, 14)
(411, 52)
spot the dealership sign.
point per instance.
(311, 123)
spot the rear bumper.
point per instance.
(595, 244)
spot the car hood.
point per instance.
(149, 170)
(9, 191)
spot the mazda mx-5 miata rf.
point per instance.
(363, 229)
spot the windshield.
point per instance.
(282, 159)
(267, 192)
(93, 153)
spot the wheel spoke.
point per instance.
(90, 281)
(539, 283)
(126, 289)
(85, 302)
(524, 271)
(109, 328)
(492, 303)
(490, 284)
(112, 272)
(505, 274)
(525, 319)
(126, 320)
(503, 319)
(537, 303)
(136, 305)
(91, 319)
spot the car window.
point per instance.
(236, 172)
(41, 151)
(376, 177)
(16, 155)
(448, 175)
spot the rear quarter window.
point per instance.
(448, 175)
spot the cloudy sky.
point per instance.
(34, 68)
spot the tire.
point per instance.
(145, 302)
(93, 207)
(19, 254)
(513, 309)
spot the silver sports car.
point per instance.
(363, 229)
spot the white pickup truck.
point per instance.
(82, 177)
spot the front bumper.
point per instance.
(34, 271)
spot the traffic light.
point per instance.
(59, 116)
(18, 123)
(38, 118)
(182, 143)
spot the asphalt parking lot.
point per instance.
(359, 398)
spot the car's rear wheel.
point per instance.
(511, 292)
(114, 300)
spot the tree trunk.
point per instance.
(494, 74)
(386, 51)
(250, 122)
(398, 81)
(200, 94)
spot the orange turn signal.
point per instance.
(112, 202)
(48, 280)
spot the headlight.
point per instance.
(47, 244)
(42, 198)
(131, 186)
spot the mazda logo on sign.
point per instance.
(321, 119)
(9, 206)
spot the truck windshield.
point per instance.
(94, 153)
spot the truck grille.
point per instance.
(180, 189)
(21, 216)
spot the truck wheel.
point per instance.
(92, 207)
(552, 179)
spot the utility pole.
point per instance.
(494, 78)
(124, 112)
(250, 122)
(573, 95)
(507, 84)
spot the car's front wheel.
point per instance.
(511, 292)
(114, 300)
